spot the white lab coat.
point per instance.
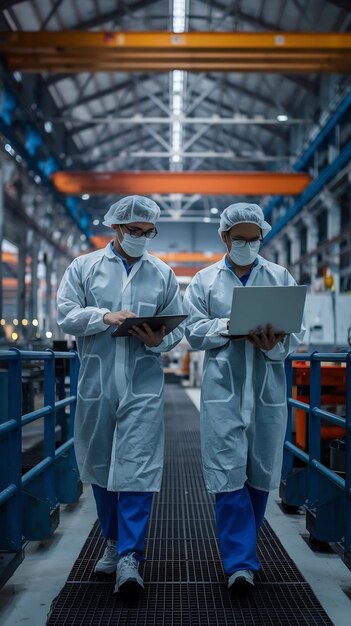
(243, 400)
(119, 416)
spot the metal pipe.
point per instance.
(7, 427)
(297, 452)
(334, 478)
(65, 402)
(330, 417)
(297, 404)
(36, 471)
(7, 493)
(66, 447)
(28, 418)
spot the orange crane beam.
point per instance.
(75, 51)
(218, 183)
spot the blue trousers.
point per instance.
(239, 515)
(124, 515)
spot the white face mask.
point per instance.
(134, 246)
(244, 255)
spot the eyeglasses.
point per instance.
(241, 243)
(138, 232)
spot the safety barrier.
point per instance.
(325, 493)
(29, 503)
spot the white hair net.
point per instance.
(243, 213)
(132, 209)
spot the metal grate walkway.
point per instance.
(184, 581)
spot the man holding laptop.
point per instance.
(243, 400)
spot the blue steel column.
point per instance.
(48, 293)
(49, 426)
(21, 281)
(288, 459)
(11, 463)
(348, 462)
(73, 383)
(1, 238)
(314, 430)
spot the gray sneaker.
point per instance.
(128, 579)
(108, 562)
(241, 582)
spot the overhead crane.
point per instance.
(218, 183)
(76, 51)
(70, 51)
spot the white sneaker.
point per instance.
(128, 579)
(108, 562)
(241, 581)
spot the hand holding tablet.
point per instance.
(154, 323)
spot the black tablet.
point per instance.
(155, 323)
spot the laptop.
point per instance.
(258, 306)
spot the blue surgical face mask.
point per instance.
(244, 255)
(134, 246)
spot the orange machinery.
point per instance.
(333, 393)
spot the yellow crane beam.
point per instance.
(75, 51)
(217, 183)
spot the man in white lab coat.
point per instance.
(243, 400)
(119, 416)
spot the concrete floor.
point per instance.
(27, 597)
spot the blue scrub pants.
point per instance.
(124, 515)
(239, 515)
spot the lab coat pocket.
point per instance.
(273, 390)
(147, 379)
(146, 309)
(90, 377)
(217, 381)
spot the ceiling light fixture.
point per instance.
(177, 92)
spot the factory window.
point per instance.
(9, 259)
(345, 255)
(345, 283)
(288, 250)
(345, 214)
(305, 277)
(345, 266)
(322, 159)
(322, 225)
(303, 240)
(320, 265)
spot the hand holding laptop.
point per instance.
(265, 339)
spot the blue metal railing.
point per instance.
(322, 484)
(39, 483)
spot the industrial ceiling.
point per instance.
(146, 112)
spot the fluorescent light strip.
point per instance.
(177, 96)
(178, 25)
